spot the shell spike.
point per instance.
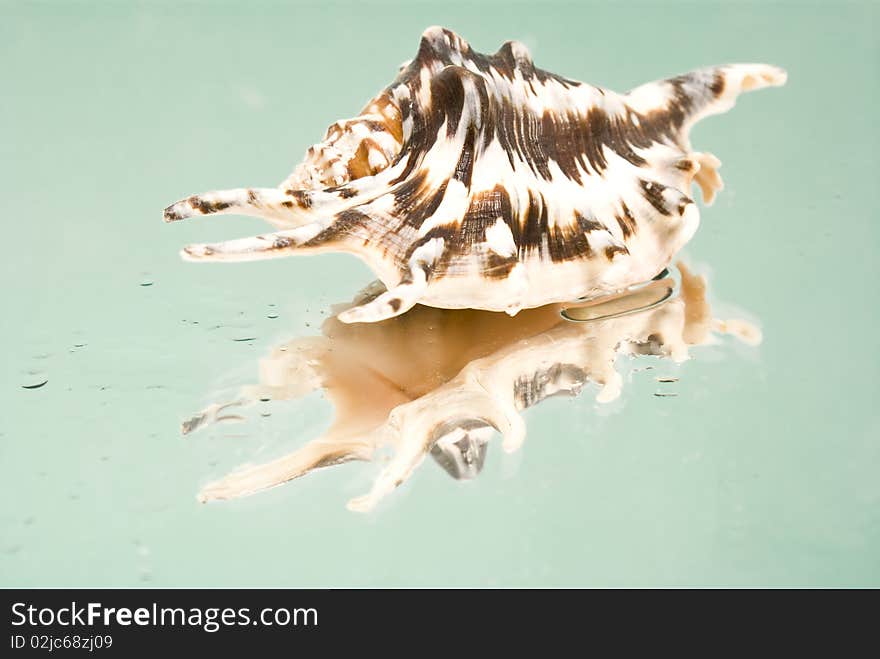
(318, 453)
(728, 82)
(266, 246)
(707, 176)
(746, 77)
(688, 98)
(393, 303)
(282, 207)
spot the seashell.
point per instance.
(441, 383)
(481, 181)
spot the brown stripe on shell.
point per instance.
(415, 201)
(561, 242)
(686, 165)
(303, 198)
(567, 243)
(653, 192)
(718, 84)
(630, 218)
(626, 221)
(485, 209)
(532, 235)
(205, 206)
(534, 225)
(465, 167)
(496, 266)
(614, 250)
(348, 223)
(576, 141)
(665, 124)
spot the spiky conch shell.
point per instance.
(481, 181)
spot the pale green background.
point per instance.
(764, 470)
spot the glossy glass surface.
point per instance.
(762, 470)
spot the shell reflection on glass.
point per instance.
(483, 182)
(447, 396)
